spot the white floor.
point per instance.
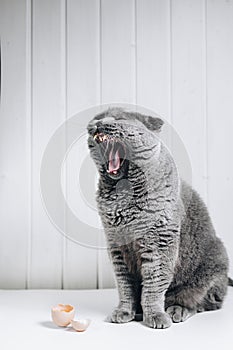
(26, 324)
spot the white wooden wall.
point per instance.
(62, 56)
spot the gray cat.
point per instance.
(167, 260)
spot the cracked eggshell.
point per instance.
(62, 314)
(80, 325)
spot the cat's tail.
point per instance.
(230, 282)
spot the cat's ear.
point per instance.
(152, 123)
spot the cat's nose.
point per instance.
(92, 129)
(96, 128)
(100, 127)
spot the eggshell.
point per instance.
(80, 325)
(62, 314)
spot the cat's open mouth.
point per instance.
(113, 152)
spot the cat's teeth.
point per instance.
(100, 138)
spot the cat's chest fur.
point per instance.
(119, 206)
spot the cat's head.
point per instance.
(121, 141)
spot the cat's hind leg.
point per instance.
(214, 297)
(180, 313)
(183, 302)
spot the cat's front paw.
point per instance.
(120, 315)
(158, 320)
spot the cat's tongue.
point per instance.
(114, 161)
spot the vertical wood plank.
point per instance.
(118, 82)
(48, 113)
(188, 84)
(14, 136)
(153, 49)
(153, 56)
(82, 54)
(220, 122)
(118, 51)
(80, 263)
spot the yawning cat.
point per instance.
(167, 259)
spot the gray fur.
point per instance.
(161, 241)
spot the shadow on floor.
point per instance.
(51, 325)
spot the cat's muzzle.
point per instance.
(113, 153)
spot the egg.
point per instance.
(62, 314)
(80, 325)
